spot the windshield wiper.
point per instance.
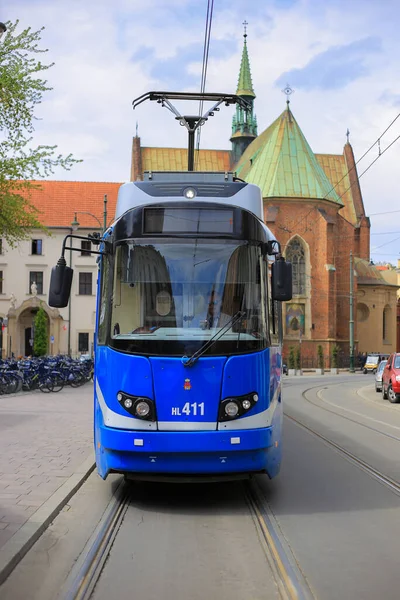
(189, 361)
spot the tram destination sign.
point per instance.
(187, 220)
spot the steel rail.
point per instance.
(393, 485)
(337, 414)
(84, 576)
(291, 582)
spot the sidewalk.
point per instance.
(44, 439)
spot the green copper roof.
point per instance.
(245, 85)
(282, 164)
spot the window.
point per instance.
(295, 255)
(386, 330)
(83, 342)
(36, 277)
(86, 246)
(36, 247)
(1, 282)
(1, 245)
(85, 284)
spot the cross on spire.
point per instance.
(348, 135)
(245, 23)
(288, 91)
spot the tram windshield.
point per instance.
(171, 296)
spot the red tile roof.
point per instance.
(58, 201)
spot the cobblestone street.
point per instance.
(43, 439)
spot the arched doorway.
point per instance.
(20, 328)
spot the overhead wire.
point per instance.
(377, 141)
(206, 49)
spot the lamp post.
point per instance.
(75, 224)
(3, 29)
(351, 320)
(74, 227)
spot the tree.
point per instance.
(335, 352)
(292, 359)
(21, 90)
(40, 343)
(298, 358)
(320, 357)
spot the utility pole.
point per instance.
(105, 213)
(351, 321)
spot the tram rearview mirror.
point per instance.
(281, 280)
(60, 286)
(271, 248)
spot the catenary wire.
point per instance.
(206, 48)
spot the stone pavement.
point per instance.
(44, 438)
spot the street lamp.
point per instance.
(3, 29)
(75, 223)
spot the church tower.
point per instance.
(244, 122)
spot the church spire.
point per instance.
(244, 122)
(245, 85)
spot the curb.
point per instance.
(22, 541)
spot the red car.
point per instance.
(391, 378)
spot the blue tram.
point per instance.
(188, 340)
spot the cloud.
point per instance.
(334, 68)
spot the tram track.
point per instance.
(289, 578)
(393, 485)
(338, 414)
(287, 574)
(85, 574)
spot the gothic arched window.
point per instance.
(295, 254)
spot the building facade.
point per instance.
(67, 208)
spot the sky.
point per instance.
(340, 57)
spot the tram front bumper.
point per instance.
(195, 452)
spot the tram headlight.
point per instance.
(235, 407)
(231, 409)
(142, 409)
(189, 193)
(137, 406)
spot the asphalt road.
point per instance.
(200, 541)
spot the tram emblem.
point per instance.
(187, 385)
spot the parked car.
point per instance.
(391, 378)
(378, 376)
(372, 362)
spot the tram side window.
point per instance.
(104, 301)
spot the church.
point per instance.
(313, 204)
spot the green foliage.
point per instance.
(40, 342)
(21, 90)
(298, 358)
(292, 360)
(335, 352)
(320, 353)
